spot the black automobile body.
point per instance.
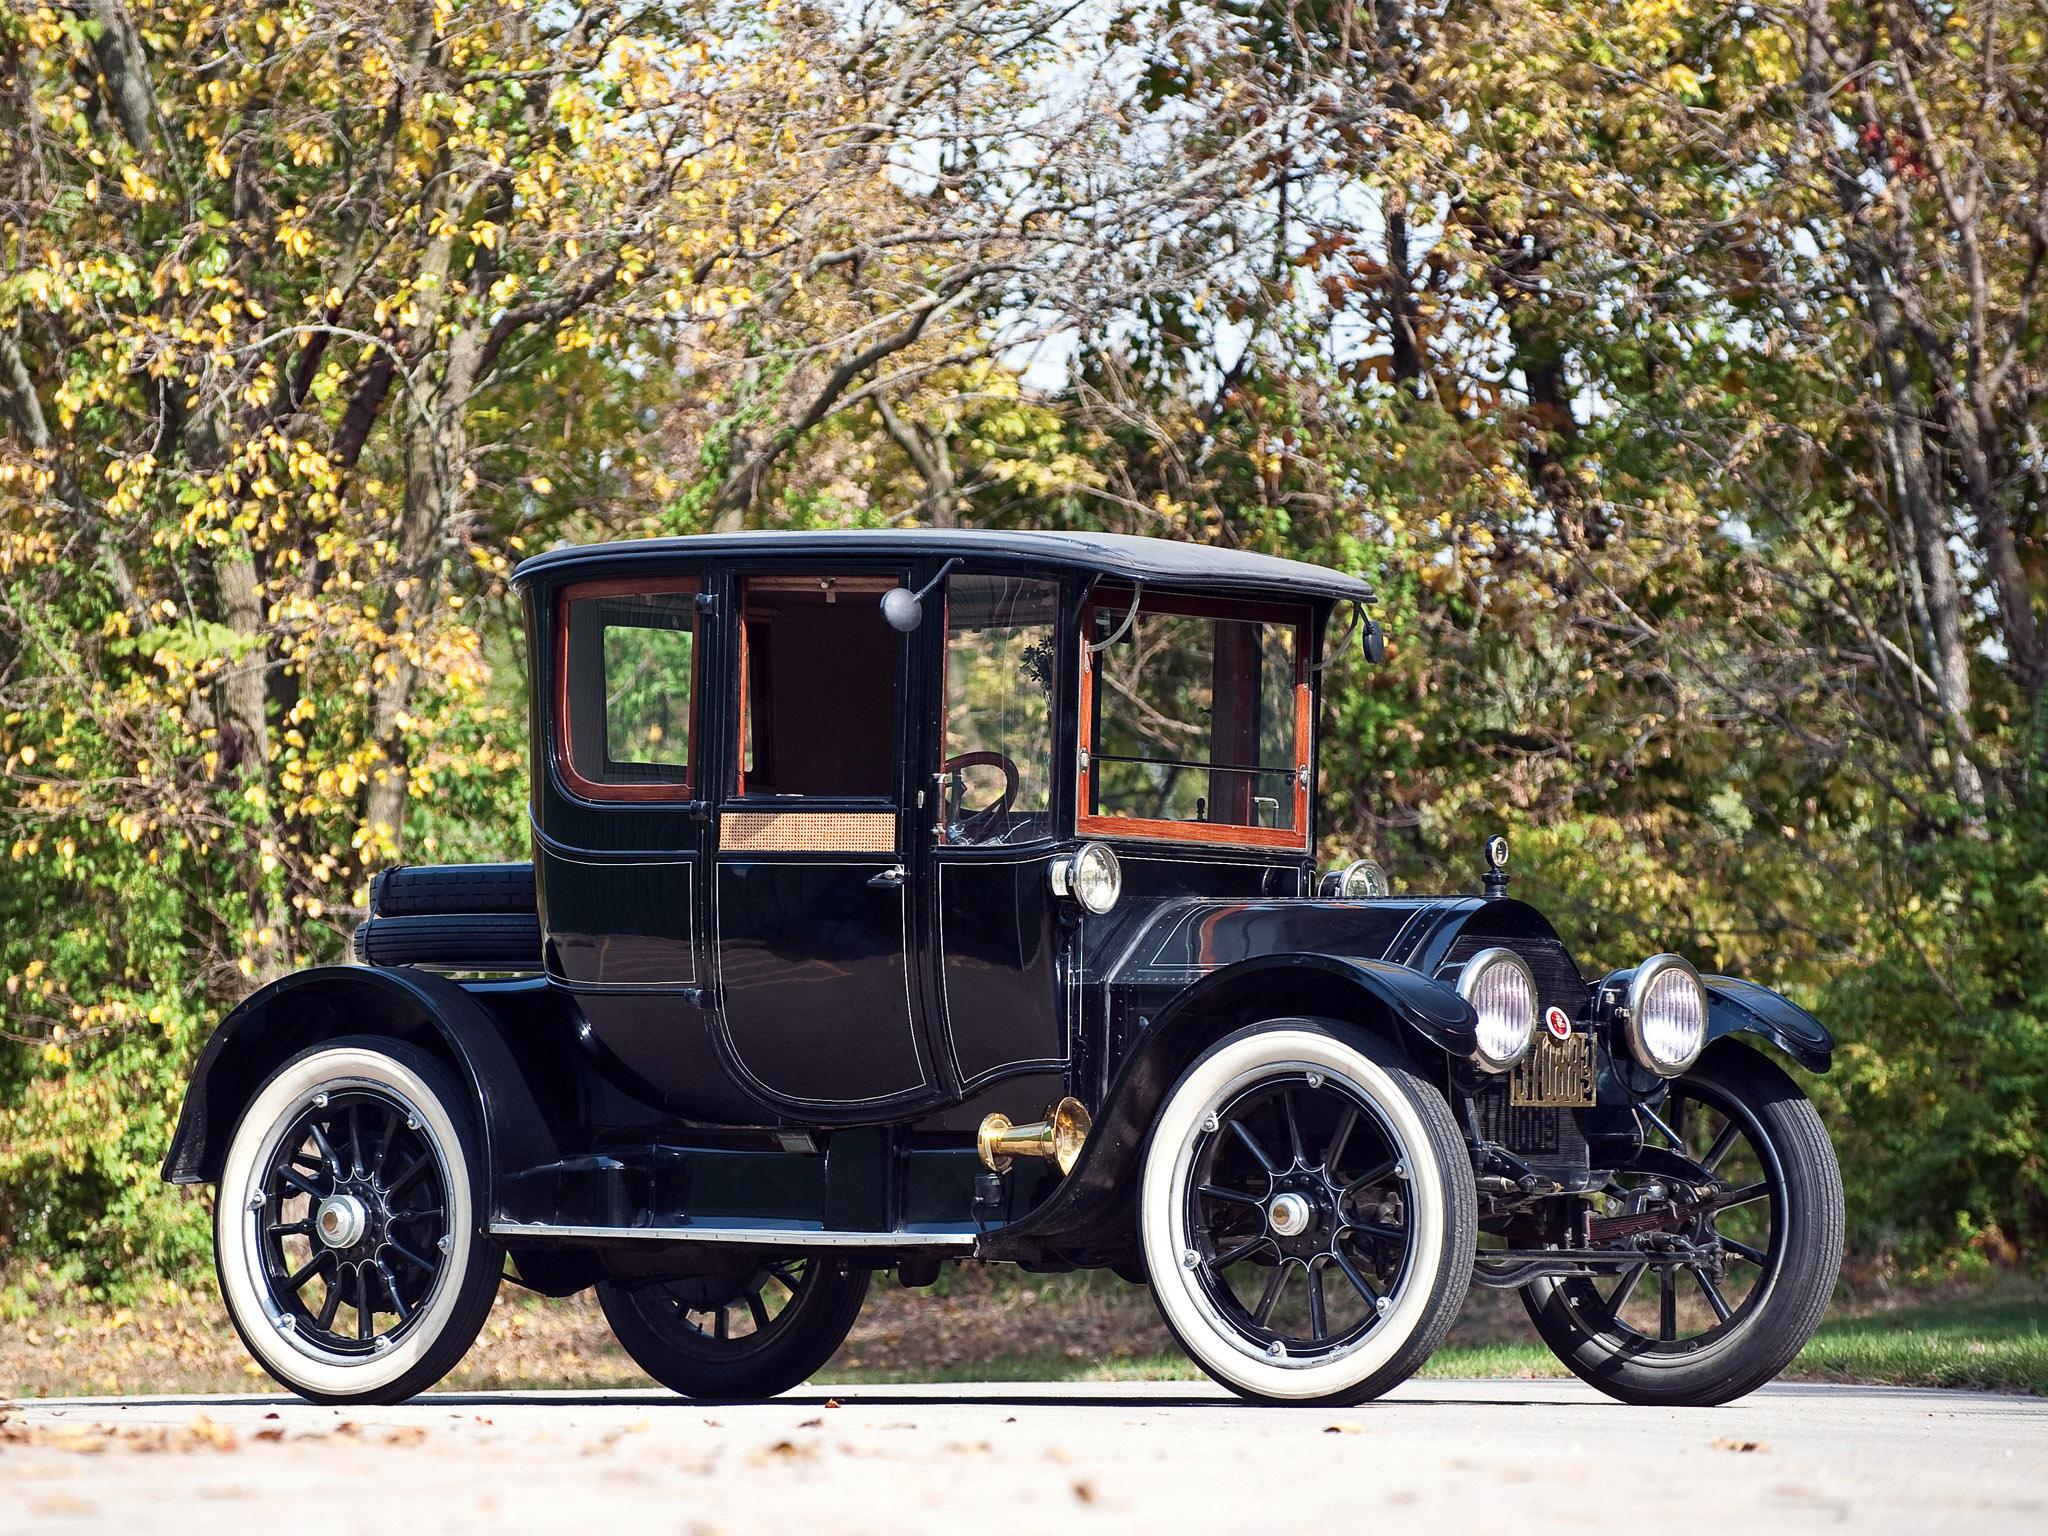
(889, 894)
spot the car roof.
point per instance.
(1117, 555)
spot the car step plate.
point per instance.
(1556, 1074)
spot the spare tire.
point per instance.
(422, 890)
(453, 941)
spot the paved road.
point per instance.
(1034, 1460)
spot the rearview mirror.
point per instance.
(902, 609)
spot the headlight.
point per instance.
(1091, 875)
(1361, 880)
(1667, 1015)
(1499, 986)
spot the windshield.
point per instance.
(1197, 719)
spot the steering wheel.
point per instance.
(975, 825)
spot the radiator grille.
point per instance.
(1552, 1135)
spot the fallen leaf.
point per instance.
(1725, 1444)
(219, 1436)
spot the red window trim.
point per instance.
(565, 766)
(1116, 605)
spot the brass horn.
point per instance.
(1058, 1136)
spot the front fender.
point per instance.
(1742, 1007)
(1090, 1209)
(324, 1003)
(1423, 1004)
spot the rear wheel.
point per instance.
(1740, 1184)
(1307, 1214)
(346, 1232)
(761, 1329)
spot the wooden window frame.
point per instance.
(565, 762)
(1116, 604)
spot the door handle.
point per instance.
(887, 880)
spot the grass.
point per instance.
(1992, 1344)
(992, 1324)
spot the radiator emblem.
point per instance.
(1555, 1020)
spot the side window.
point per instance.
(629, 685)
(1002, 653)
(1197, 720)
(818, 714)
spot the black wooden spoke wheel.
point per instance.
(1733, 1277)
(1307, 1214)
(758, 1327)
(346, 1231)
(1299, 1210)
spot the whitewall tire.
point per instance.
(347, 1234)
(1307, 1213)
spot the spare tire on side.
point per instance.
(453, 917)
(422, 890)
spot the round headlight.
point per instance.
(1091, 876)
(1502, 991)
(1667, 1015)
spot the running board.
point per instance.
(754, 1236)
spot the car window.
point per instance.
(629, 683)
(1002, 654)
(1196, 718)
(818, 711)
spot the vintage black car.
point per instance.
(899, 897)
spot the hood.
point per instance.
(1186, 940)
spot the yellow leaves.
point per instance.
(137, 185)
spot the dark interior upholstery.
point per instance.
(821, 691)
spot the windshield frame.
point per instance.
(1115, 602)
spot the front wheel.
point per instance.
(759, 1327)
(1739, 1187)
(346, 1233)
(1308, 1214)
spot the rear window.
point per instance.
(629, 684)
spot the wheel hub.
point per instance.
(1289, 1215)
(341, 1221)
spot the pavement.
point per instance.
(1036, 1459)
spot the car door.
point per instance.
(998, 983)
(810, 893)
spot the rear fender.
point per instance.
(1090, 1212)
(1742, 1007)
(327, 1002)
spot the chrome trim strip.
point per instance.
(765, 1236)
